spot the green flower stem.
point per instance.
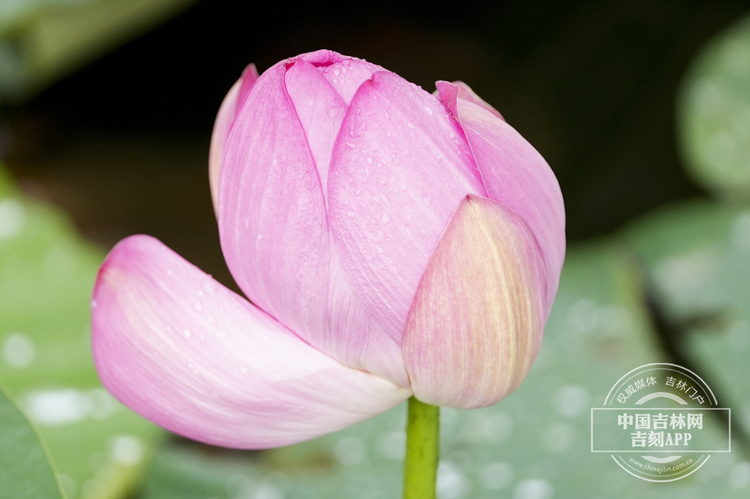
(422, 450)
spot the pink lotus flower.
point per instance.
(391, 242)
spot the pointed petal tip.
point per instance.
(514, 174)
(450, 92)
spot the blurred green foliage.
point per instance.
(46, 276)
(42, 40)
(25, 470)
(714, 114)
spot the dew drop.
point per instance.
(429, 111)
(369, 160)
(188, 333)
(198, 306)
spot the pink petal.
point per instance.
(463, 91)
(272, 219)
(476, 323)
(345, 74)
(399, 169)
(195, 358)
(517, 176)
(320, 111)
(275, 234)
(224, 120)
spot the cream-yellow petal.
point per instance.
(476, 322)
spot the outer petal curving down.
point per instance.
(476, 323)
(197, 359)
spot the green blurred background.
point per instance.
(641, 108)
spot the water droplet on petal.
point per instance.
(188, 333)
(369, 160)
